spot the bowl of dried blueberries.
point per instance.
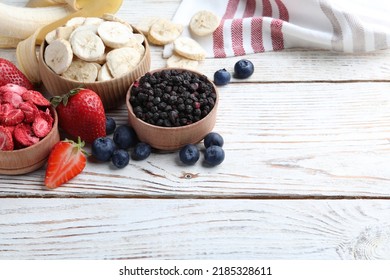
(170, 108)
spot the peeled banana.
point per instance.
(31, 24)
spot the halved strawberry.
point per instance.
(6, 142)
(11, 116)
(24, 135)
(36, 97)
(66, 160)
(30, 111)
(42, 124)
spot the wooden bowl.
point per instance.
(28, 159)
(172, 138)
(112, 92)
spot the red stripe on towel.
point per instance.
(218, 41)
(257, 34)
(237, 38)
(250, 8)
(277, 35)
(267, 8)
(283, 12)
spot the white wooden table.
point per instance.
(306, 174)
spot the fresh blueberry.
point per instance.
(243, 69)
(125, 137)
(120, 158)
(189, 154)
(110, 125)
(222, 77)
(102, 148)
(214, 155)
(141, 151)
(213, 139)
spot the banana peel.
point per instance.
(26, 50)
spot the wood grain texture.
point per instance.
(193, 229)
(317, 139)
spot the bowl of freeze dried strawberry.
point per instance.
(170, 108)
(104, 54)
(28, 129)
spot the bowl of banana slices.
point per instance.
(104, 54)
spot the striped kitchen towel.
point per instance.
(254, 26)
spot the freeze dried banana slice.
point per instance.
(176, 61)
(87, 45)
(189, 48)
(145, 23)
(104, 74)
(81, 71)
(58, 55)
(64, 32)
(75, 21)
(123, 60)
(163, 32)
(114, 34)
(51, 36)
(204, 23)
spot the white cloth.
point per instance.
(252, 26)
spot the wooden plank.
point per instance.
(283, 66)
(193, 229)
(300, 140)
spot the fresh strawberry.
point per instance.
(81, 114)
(36, 97)
(6, 142)
(9, 73)
(66, 160)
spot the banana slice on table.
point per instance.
(59, 55)
(163, 32)
(114, 34)
(204, 23)
(87, 45)
(123, 60)
(145, 23)
(177, 61)
(81, 71)
(189, 48)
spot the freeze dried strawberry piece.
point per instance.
(10, 128)
(24, 135)
(30, 111)
(12, 98)
(42, 124)
(6, 142)
(36, 97)
(13, 88)
(11, 117)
